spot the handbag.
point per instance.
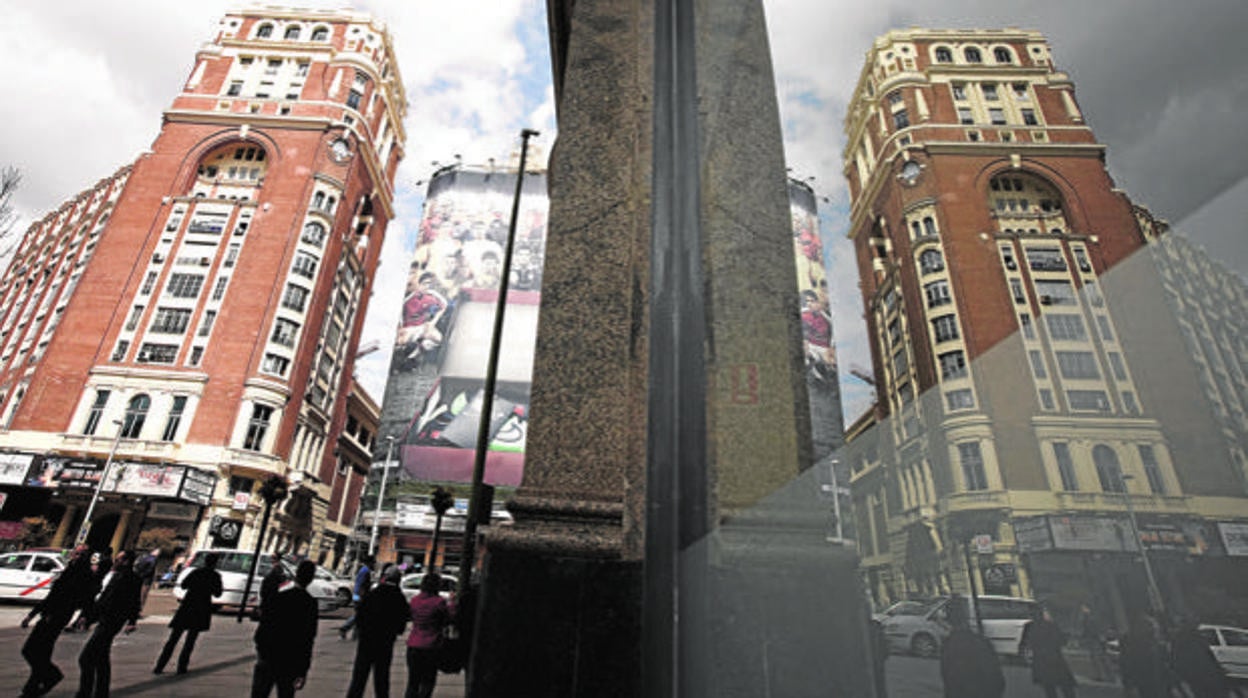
(453, 653)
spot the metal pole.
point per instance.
(491, 379)
(970, 577)
(255, 560)
(381, 495)
(1154, 593)
(836, 502)
(85, 529)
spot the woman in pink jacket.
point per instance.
(430, 615)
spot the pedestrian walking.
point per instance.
(1092, 637)
(285, 637)
(101, 563)
(969, 667)
(381, 617)
(1048, 666)
(70, 591)
(879, 654)
(145, 570)
(1142, 661)
(194, 614)
(273, 581)
(1195, 664)
(363, 582)
(431, 614)
(117, 607)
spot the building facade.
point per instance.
(193, 319)
(1034, 430)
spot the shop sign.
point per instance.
(66, 474)
(14, 466)
(1032, 534)
(172, 511)
(1234, 538)
(1001, 574)
(1158, 536)
(150, 479)
(197, 486)
(228, 532)
(1092, 533)
(983, 544)
(412, 515)
(241, 500)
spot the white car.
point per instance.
(331, 592)
(27, 576)
(1004, 618)
(410, 585)
(1230, 647)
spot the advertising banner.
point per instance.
(197, 486)
(1093, 533)
(150, 479)
(14, 466)
(1234, 538)
(65, 473)
(1032, 534)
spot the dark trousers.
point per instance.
(267, 675)
(38, 653)
(371, 655)
(184, 657)
(95, 662)
(422, 672)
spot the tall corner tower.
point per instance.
(208, 299)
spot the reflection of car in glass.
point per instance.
(1230, 647)
(28, 575)
(410, 585)
(1004, 618)
(903, 608)
(331, 592)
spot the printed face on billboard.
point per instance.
(431, 406)
(812, 283)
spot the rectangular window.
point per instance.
(185, 285)
(945, 328)
(1117, 366)
(901, 365)
(236, 88)
(301, 70)
(965, 116)
(1152, 470)
(231, 256)
(148, 283)
(120, 352)
(1029, 117)
(205, 326)
(997, 116)
(937, 293)
(305, 265)
(990, 91)
(158, 353)
(170, 320)
(96, 411)
(353, 99)
(901, 119)
(1065, 327)
(959, 91)
(197, 355)
(1102, 323)
(1065, 467)
(295, 298)
(1081, 258)
(257, 427)
(1046, 399)
(1129, 403)
(1077, 365)
(275, 364)
(952, 365)
(1045, 259)
(1055, 292)
(133, 321)
(175, 418)
(209, 223)
(1037, 364)
(1024, 323)
(960, 399)
(1020, 92)
(1089, 400)
(284, 332)
(972, 466)
(218, 291)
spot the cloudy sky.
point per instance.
(1163, 84)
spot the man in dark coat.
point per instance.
(71, 590)
(969, 667)
(1195, 664)
(145, 570)
(1142, 660)
(194, 615)
(285, 636)
(118, 606)
(382, 615)
(1048, 667)
(273, 581)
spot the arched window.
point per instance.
(1107, 468)
(973, 55)
(931, 261)
(929, 226)
(320, 34)
(264, 31)
(292, 32)
(944, 55)
(1020, 200)
(136, 414)
(1002, 54)
(314, 234)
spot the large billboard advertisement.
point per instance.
(433, 396)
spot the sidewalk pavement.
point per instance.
(221, 665)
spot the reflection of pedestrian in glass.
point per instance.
(969, 667)
(1048, 667)
(1092, 636)
(117, 607)
(194, 614)
(70, 591)
(1195, 664)
(1143, 660)
(382, 616)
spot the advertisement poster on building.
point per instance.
(151, 479)
(14, 466)
(1234, 538)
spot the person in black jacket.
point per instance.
(1048, 665)
(71, 590)
(285, 636)
(273, 581)
(194, 614)
(382, 615)
(969, 667)
(118, 606)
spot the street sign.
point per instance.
(983, 544)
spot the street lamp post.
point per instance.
(274, 490)
(381, 495)
(1154, 594)
(85, 529)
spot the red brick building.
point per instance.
(199, 311)
(1025, 391)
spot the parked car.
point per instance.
(1230, 647)
(922, 634)
(330, 591)
(903, 608)
(27, 575)
(410, 585)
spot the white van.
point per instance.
(922, 634)
(330, 591)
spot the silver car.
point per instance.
(922, 634)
